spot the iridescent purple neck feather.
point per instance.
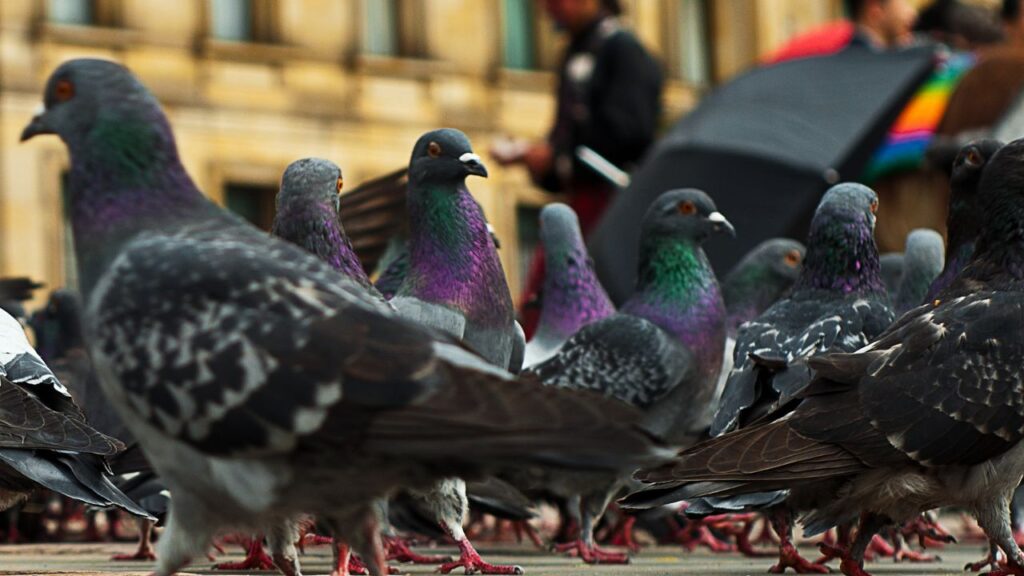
(315, 226)
(452, 257)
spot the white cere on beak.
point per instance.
(716, 217)
(469, 157)
(39, 109)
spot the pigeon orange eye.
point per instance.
(874, 206)
(687, 208)
(434, 149)
(63, 91)
(340, 184)
(792, 259)
(973, 158)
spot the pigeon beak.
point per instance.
(37, 126)
(720, 224)
(473, 164)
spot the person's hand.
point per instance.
(538, 158)
(508, 151)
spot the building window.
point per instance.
(519, 45)
(527, 239)
(394, 28)
(243, 20)
(253, 202)
(687, 44)
(84, 12)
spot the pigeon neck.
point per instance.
(1001, 243)
(841, 257)
(315, 226)
(124, 179)
(677, 290)
(453, 259)
(957, 258)
(572, 295)
(746, 293)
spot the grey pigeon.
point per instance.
(307, 215)
(260, 382)
(45, 439)
(756, 282)
(964, 221)
(455, 283)
(760, 278)
(661, 352)
(892, 270)
(923, 257)
(838, 304)
(928, 415)
(572, 296)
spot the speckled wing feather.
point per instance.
(769, 367)
(943, 386)
(25, 422)
(622, 356)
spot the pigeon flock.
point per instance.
(229, 385)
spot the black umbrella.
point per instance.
(765, 146)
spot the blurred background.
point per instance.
(251, 85)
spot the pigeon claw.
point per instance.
(914, 557)
(357, 566)
(398, 551)
(255, 559)
(591, 554)
(789, 557)
(471, 561)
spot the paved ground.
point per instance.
(92, 560)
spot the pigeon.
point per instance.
(838, 303)
(307, 215)
(45, 439)
(927, 415)
(759, 279)
(58, 331)
(661, 352)
(923, 258)
(455, 284)
(964, 220)
(892, 270)
(455, 281)
(260, 382)
(756, 282)
(572, 296)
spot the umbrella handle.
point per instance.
(602, 166)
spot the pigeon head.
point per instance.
(559, 228)
(444, 156)
(841, 251)
(92, 104)
(1001, 201)
(922, 262)
(848, 202)
(965, 219)
(760, 278)
(688, 213)
(310, 179)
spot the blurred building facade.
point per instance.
(251, 85)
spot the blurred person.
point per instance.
(1013, 22)
(609, 99)
(879, 24)
(882, 24)
(959, 25)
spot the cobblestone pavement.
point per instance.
(93, 560)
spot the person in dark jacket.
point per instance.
(609, 99)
